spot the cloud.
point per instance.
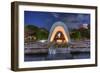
(56, 15)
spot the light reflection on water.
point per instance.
(57, 56)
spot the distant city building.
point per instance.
(84, 26)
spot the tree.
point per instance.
(76, 35)
(35, 33)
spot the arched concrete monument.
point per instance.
(59, 33)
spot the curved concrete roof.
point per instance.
(59, 26)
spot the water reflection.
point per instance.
(56, 56)
(34, 52)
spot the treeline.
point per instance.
(81, 33)
(34, 33)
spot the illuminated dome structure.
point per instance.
(59, 33)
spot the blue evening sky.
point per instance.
(47, 19)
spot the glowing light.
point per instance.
(61, 29)
(42, 41)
